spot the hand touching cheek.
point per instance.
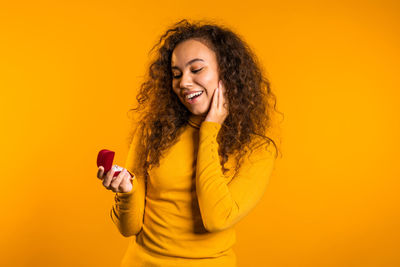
(219, 109)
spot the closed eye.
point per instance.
(194, 71)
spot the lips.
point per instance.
(194, 99)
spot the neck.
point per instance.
(197, 119)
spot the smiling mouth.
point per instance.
(193, 97)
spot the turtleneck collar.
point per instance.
(196, 120)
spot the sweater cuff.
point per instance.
(208, 145)
(210, 127)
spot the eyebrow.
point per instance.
(188, 63)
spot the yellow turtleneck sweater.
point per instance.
(186, 213)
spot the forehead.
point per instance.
(190, 49)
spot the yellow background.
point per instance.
(69, 71)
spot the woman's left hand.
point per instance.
(219, 106)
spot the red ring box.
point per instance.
(105, 158)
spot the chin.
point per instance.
(197, 113)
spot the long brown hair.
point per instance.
(163, 116)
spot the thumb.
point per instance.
(100, 172)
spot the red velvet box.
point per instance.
(105, 158)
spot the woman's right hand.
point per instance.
(119, 184)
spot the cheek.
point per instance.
(175, 88)
(208, 82)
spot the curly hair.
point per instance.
(248, 92)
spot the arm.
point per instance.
(128, 209)
(223, 204)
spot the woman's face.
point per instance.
(194, 69)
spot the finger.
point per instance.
(126, 184)
(116, 182)
(108, 179)
(100, 173)
(220, 97)
(115, 185)
(215, 98)
(224, 101)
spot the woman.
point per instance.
(200, 157)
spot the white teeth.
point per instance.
(193, 95)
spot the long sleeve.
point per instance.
(128, 209)
(223, 204)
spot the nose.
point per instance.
(186, 81)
